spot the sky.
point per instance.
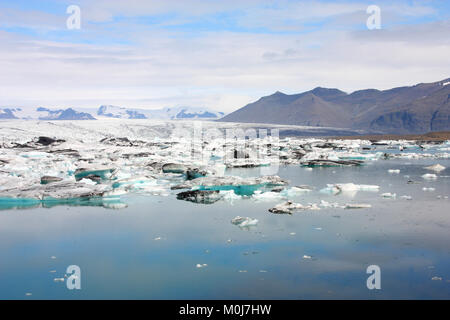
(215, 54)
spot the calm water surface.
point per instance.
(120, 258)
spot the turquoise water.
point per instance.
(120, 258)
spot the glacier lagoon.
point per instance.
(152, 245)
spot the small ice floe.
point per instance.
(242, 271)
(436, 167)
(53, 257)
(394, 170)
(436, 278)
(200, 196)
(115, 205)
(331, 163)
(289, 206)
(50, 179)
(295, 191)
(59, 279)
(389, 195)
(405, 197)
(267, 196)
(428, 189)
(241, 186)
(326, 204)
(87, 181)
(229, 195)
(52, 271)
(308, 169)
(349, 188)
(244, 222)
(429, 176)
(357, 206)
(306, 257)
(318, 229)
(28, 294)
(157, 238)
(204, 265)
(229, 241)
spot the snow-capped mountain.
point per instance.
(163, 114)
(44, 114)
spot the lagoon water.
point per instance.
(150, 249)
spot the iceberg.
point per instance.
(436, 167)
(200, 196)
(244, 222)
(429, 176)
(289, 207)
(357, 206)
(240, 186)
(100, 173)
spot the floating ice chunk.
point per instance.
(243, 222)
(326, 204)
(389, 195)
(406, 197)
(394, 170)
(174, 168)
(357, 206)
(436, 278)
(200, 196)
(28, 294)
(59, 279)
(313, 206)
(101, 173)
(53, 257)
(436, 167)
(50, 179)
(292, 233)
(295, 191)
(428, 189)
(241, 186)
(307, 257)
(429, 176)
(229, 195)
(287, 207)
(115, 205)
(349, 188)
(88, 181)
(267, 196)
(360, 187)
(204, 265)
(331, 163)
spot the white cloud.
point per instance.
(218, 69)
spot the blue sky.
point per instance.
(216, 54)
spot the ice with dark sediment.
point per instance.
(45, 159)
(240, 186)
(289, 207)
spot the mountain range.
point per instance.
(420, 108)
(102, 112)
